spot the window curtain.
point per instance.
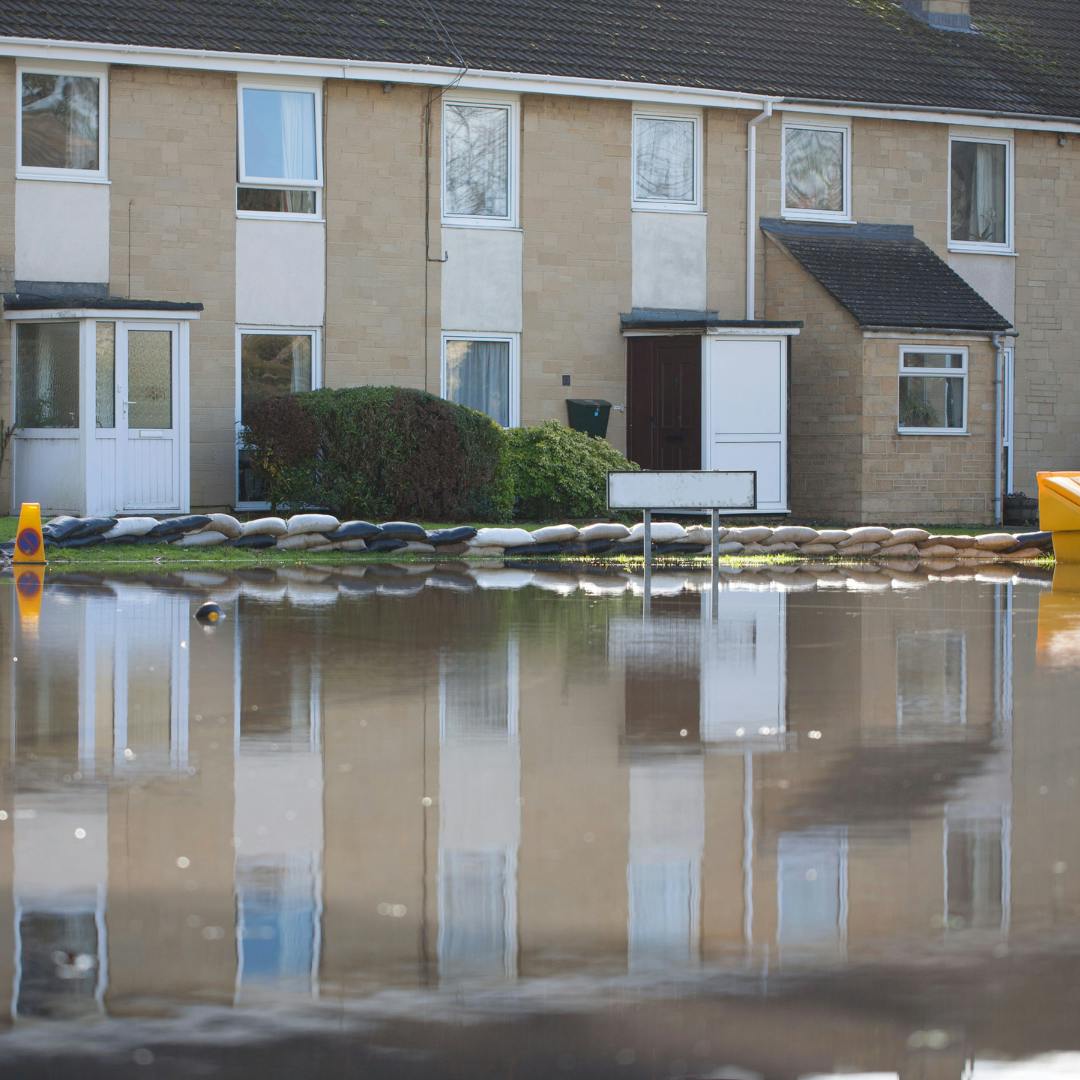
(664, 166)
(478, 375)
(814, 170)
(297, 147)
(978, 210)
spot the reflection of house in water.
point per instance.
(448, 789)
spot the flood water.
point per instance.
(426, 822)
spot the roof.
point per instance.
(885, 277)
(1022, 60)
(685, 319)
(18, 301)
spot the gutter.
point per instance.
(988, 114)
(940, 331)
(751, 205)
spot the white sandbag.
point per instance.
(793, 534)
(702, 534)
(957, 542)
(832, 536)
(225, 524)
(501, 538)
(977, 554)
(300, 541)
(200, 539)
(937, 551)
(729, 547)
(486, 551)
(555, 534)
(130, 526)
(604, 530)
(266, 526)
(906, 536)
(662, 532)
(865, 548)
(755, 549)
(774, 548)
(988, 541)
(750, 534)
(899, 551)
(818, 548)
(299, 524)
(418, 547)
(1025, 553)
(866, 534)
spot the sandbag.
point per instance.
(681, 547)
(501, 538)
(404, 530)
(729, 547)
(866, 534)
(819, 547)
(750, 534)
(60, 528)
(1026, 553)
(177, 526)
(957, 542)
(774, 548)
(130, 527)
(299, 524)
(351, 545)
(936, 551)
(80, 541)
(484, 551)
(354, 530)
(300, 541)
(555, 534)
(1043, 540)
(588, 547)
(208, 538)
(604, 530)
(266, 526)
(702, 534)
(906, 536)
(385, 544)
(867, 547)
(91, 526)
(1000, 541)
(225, 524)
(534, 549)
(832, 536)
(419, 546)
(452, 549)
(900, 551)
(662, 532)
(792, 534)
(254, 543)
(755, 549)
(443, 537)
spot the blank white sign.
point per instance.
(698, 490)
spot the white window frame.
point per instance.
(315, 333)
(512, 107)
(693, 206)
(269, 183)
(99, 175)
(933, 373)
(514, 341)
(798, 213)
(979, 246)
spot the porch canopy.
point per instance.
(100, 402)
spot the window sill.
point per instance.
(822, 216)
(59, 177)
(931, 431)
(981, 249)
(266, 215)
(481, 223)
(666, 208)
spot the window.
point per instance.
(61, 124)
(980, 194)
(280, 151)
(479, 163)
(816, 168)
(811, 880)
(483, 374)
(105, 374)
(272, 363)
(667, 152)
(47, 375)
(478, 694)
(933, 392)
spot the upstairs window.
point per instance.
(61, 124)
(816, 168)
(479, 164)
(280, 151)
(980, 195)
(667, 154)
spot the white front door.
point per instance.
(149, 413)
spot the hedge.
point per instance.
(384, 452)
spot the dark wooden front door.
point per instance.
(663, 377)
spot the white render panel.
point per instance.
(49, 471)
(993, 277)
(482, 280)
(61, 231)
(669, 261)
(280, 272)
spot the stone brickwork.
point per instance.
(826, 396)
(7, 253)
(379, 284)
(725, 203)
(172, 162)
(575, 203)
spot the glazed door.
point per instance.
(664, 402)
(148, 416)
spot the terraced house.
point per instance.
(834, 241)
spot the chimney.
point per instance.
(942, 14)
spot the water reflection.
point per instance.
(798, 802)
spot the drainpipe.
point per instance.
(999, 429)
(751, 207)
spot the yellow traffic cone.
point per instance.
(29, 542)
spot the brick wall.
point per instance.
(575, 203)
(1047, 305)
(172, 161)
(7, 252)
(826, 407)
(725, 202)
(376, 270)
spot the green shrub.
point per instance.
(557, 472)
(380, 452)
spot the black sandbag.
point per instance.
(81, 541)
(91, 527)
(7, 549)
(257, 543)
(178, 526)
(1044, 540)
(451, 536)
(403, 530)
(386, 543)
(588, 547)
(535, 549)
(354, 530)
(635, 546)
(60, 527)
(681, 547)
(118, 541)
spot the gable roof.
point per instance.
(866, 51)
(885, 277)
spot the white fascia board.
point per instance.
(933, 116)
(753, 331)
(106, 314)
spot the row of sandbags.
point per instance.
(319, 533)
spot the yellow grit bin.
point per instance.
(1059, 513)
